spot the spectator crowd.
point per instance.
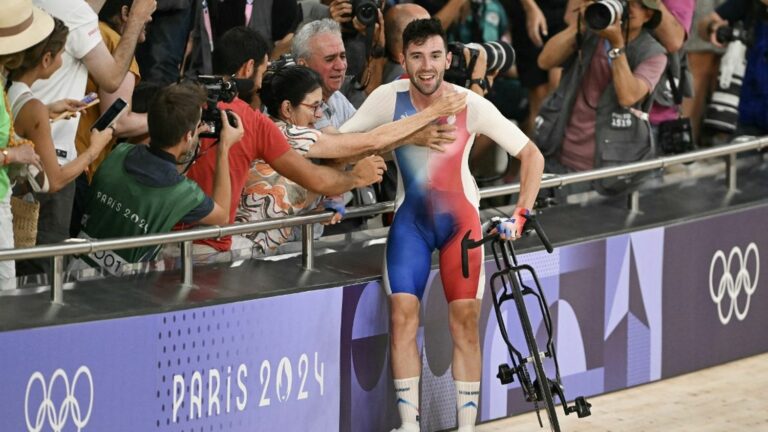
(594, 84)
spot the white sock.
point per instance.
(467, 396)
(407, 394)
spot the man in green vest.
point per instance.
(140, 189)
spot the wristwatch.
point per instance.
(615, 52)
(479, 81)
(6, 157)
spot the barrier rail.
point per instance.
(78, 247)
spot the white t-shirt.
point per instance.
(70, 80)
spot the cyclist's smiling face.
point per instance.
(426, 63)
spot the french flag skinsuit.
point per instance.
(437, 198)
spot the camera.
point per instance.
(285, 60)
(217, 89)
(723, 109)
(726, 34)
(366, 11)
(499, 56)
(602, 13)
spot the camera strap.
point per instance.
(676, 93)
(362, 78)
(478, 18)
(579, 38)
(197, 155)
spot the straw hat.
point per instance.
(22, 25)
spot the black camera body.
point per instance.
(285, 60)
(460, 70)
(217, 89)
(727, 34)
(366, 11)
(500, 56)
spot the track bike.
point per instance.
(507, 284)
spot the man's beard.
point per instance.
(246, 92)
(188, 156)
(422, 90)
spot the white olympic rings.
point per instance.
(733, 286)
(57, 416)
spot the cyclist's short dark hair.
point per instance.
(418, 31)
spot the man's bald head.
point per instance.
(395, 21)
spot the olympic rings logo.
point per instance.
(728, 290)
(57, 416)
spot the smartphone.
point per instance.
(111, 115)
(89, 98)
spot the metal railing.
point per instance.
(58, 251)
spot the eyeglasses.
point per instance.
(317, 108)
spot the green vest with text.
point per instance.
(120, 206)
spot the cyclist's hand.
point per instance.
(511, 228)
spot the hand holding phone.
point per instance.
(110, 116)
(67, 108)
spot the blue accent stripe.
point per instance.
(468, 405)
(403, 401)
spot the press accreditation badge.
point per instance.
(621, 120)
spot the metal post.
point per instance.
(633, 202)
(186, 264)
(308, 246)
(57, 280)
(730, 172)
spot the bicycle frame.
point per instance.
(507, 284)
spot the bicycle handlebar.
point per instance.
(532, 223)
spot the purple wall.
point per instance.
(626, 310)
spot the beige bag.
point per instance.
(25, 215)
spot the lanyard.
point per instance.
(248, 11)
(207, 24)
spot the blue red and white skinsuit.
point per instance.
(437, 198)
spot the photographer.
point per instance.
(140, 189)
(362, 30)
(598, 114)
(718, 27)
(242, 53)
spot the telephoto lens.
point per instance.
(499, 55)
(723, 110)
(602, 13)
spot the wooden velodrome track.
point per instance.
(727, 398)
